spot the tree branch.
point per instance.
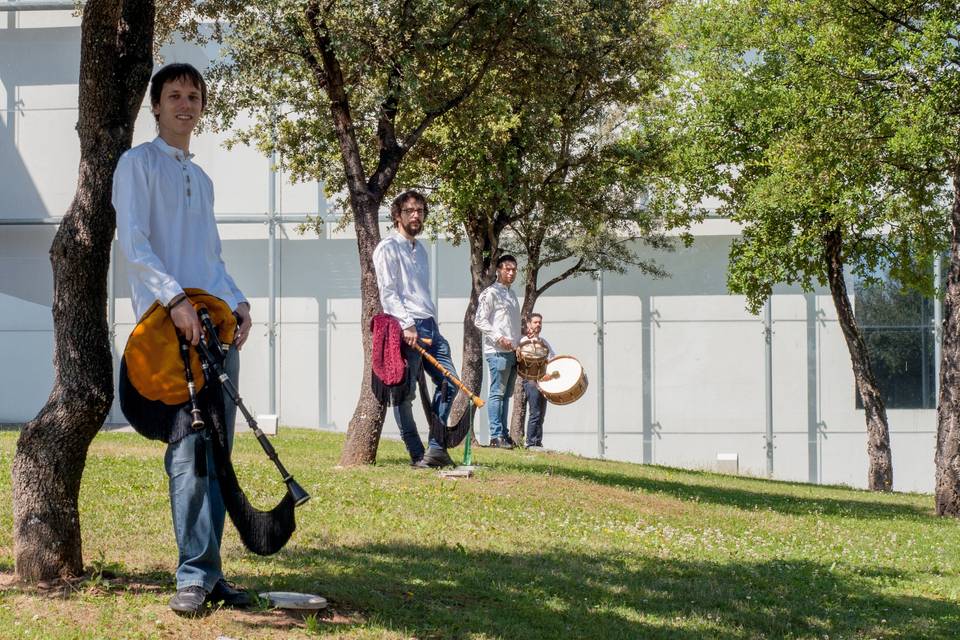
(563, 276)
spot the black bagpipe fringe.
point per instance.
(388, 394)
(263, 532)
(152, 418)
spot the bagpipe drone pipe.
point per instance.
(389, 380)
(168, 391)
(449, 435)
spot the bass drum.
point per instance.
(565, 380)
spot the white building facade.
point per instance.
(685, 366)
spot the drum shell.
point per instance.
(532, 360)
(568, 393)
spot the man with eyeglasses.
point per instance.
(403, 279)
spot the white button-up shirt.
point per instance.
(166, 227)
(403, 277)
(498, 316)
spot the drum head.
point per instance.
(533, 350)
(563, 373)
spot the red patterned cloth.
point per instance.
(389, 365)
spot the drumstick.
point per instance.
(478, 402)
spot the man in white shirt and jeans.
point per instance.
(167, 230)
(498, 318)
(403, 279)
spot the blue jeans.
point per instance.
(196, 503)
(442, 402)
(503, 375)
(536, 410)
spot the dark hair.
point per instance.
(172, 72)
(505, 258)
(397, 203)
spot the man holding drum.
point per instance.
(403, 279)
(167, 230)
(536, 402)
(498, 318)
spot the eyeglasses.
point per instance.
(412, 211)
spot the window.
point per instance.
(897, 326)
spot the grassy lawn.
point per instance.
(535, 546)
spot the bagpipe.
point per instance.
(389, 380)
(168, 391)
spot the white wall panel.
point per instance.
(27, 375)
(708, 375)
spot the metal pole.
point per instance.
(112, 305)
(434, 279)
(937, 324)
(768, 380)
(40, 5)
(601, 435)
(271, 283)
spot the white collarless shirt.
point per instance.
(498, 316)
(166, 227)
(403, 279)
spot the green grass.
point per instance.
(534, 546)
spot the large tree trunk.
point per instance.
(115, 65)
(484, 252)
(363, 434)
(880, 473)
(947, 458)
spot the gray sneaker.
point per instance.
(535, 447)
(438, 458)
(189, 601)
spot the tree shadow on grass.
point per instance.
(439, 591)
(697, 489)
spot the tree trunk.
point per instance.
(880, 473)
(483, 255)
(947, 458)
(363, 433)
(518, 415)
(115, 65)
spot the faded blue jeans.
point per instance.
(503, 375)
(403, 412)
(196, 503)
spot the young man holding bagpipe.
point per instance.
(167, 230)
(403, 279)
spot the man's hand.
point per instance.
(410, 335)
(243, 332)
(505, 342)
(185, 320)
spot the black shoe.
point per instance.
(225, 594)
(189, 601)
(510, 441)
(500, 443)
(438, 458)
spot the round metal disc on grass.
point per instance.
(293, 600)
